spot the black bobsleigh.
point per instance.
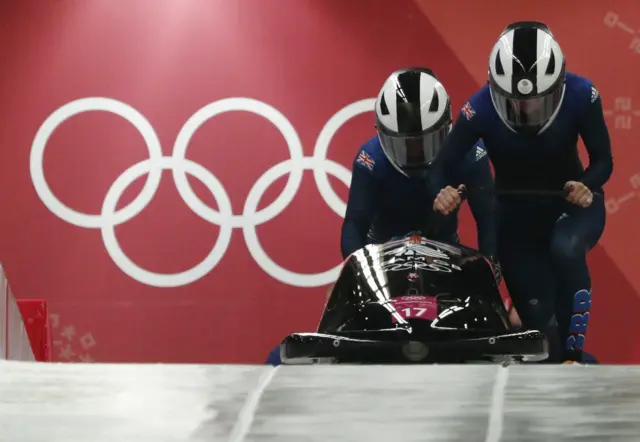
(415, 300)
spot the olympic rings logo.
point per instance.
(180, 166)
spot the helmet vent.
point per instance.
(551, 67)
(383, 106)
(435, 101)
(499, 67)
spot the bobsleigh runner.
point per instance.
(414, 300)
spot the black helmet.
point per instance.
(527, 76)
(413, 117)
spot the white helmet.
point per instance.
(413, 117)
(527, 77)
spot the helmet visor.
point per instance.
(527, 112)
(416, 151)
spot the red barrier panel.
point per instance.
(84, 109)
(35, 316)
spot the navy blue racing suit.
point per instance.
(274, 357)
(384, 203)
(543, 242)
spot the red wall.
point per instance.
(305, 60)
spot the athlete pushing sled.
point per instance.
(530, 115)
(390, 192)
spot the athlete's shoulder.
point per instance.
(475, 166)
(580, 90)
(477, 105)
(477, 157)
(578, 82)
(370, 157)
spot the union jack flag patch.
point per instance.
(366, 160)
(468, 111)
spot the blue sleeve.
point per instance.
(361, 208)
(462, 138)
(482, 201)
(595, 134)
(274, 357)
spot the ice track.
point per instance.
(156, 403)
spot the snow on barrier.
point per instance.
(14, 338)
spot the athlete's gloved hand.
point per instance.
(578, 193)
(448, 199)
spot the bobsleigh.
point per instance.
(411, 301)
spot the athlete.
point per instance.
(530, 115)
(389, 195)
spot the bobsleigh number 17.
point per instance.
(415, 300)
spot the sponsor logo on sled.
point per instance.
(415, 257)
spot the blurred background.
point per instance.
(296, 77)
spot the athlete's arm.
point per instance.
(361, 208)
(479, 182)
(459, 142)
(595, 134)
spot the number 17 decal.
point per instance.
(413, 312)
(420, 307)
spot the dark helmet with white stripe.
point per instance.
(527, 77)
(413, 117)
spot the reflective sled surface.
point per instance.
(415, 301)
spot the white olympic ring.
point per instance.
(181, 166)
